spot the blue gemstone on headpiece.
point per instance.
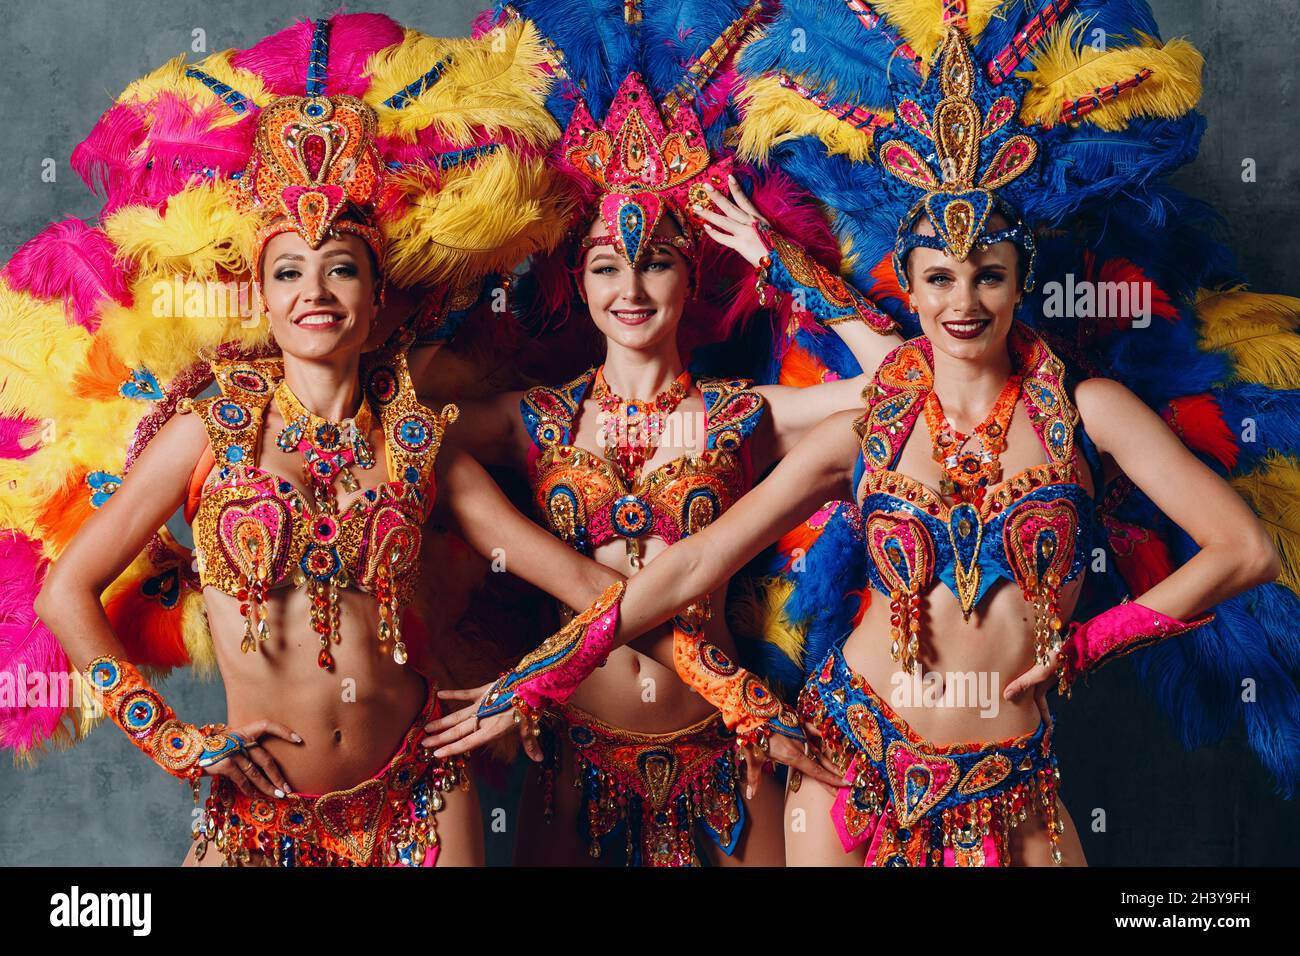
(412, 474)
(234, 453)
(631, 228)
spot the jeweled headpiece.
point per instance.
(643, 166)
(313, 157)
(981, 152)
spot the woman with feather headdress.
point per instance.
(331, 168)
(664, 238)
(960, 177)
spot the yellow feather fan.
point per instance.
(174, 320)
(494, 83)
(1273, 492)
(37, 349)
(202, 234)
(1258, 331)
(774, 115)
(1065, 67)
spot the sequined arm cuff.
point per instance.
(552, 672)
(787, 270)
(1115, 633)
(181, 749)
(747, 706)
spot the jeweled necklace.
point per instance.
(969, 471)
(633, 426)
(329, 449)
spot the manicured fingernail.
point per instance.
(296, 739)
(279, 793)
(749, 793)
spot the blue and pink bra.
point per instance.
(1033, 528)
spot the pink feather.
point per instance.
(26, 645)
(182, 144)
(281, 59)
(104, 158)
(12, 432)
(794, 213)
(141, 153)
(71, 261)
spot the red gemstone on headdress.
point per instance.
(313, 152)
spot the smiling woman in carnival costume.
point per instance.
(332, 165)
(638, 453)
(987, 463)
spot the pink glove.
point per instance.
(1112, 634)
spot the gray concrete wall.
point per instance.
(104, 804)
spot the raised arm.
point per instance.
(785, 272)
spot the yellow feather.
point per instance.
(494, 83)
(38, 350)
(920, 22)
(171, 78)
(1273, 491)
(201, 234)
(756, 610)
(198, 639)
(1065, 67)
(774, 115)
(1258, 331)
(487, 216)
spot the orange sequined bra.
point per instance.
(585, 500)
(253, 529)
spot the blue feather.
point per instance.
(599, 48)
(1276, 414)
(825, 47)
(675, 32)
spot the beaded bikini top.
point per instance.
(1033, 528)
(584, 499)
(252, 525)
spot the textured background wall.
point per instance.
(103, 803)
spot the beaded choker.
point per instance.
(632, 427)
(328, 448)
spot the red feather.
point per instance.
(800, 368)
(1198, 421)
(150, 632)
(1144, 560)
